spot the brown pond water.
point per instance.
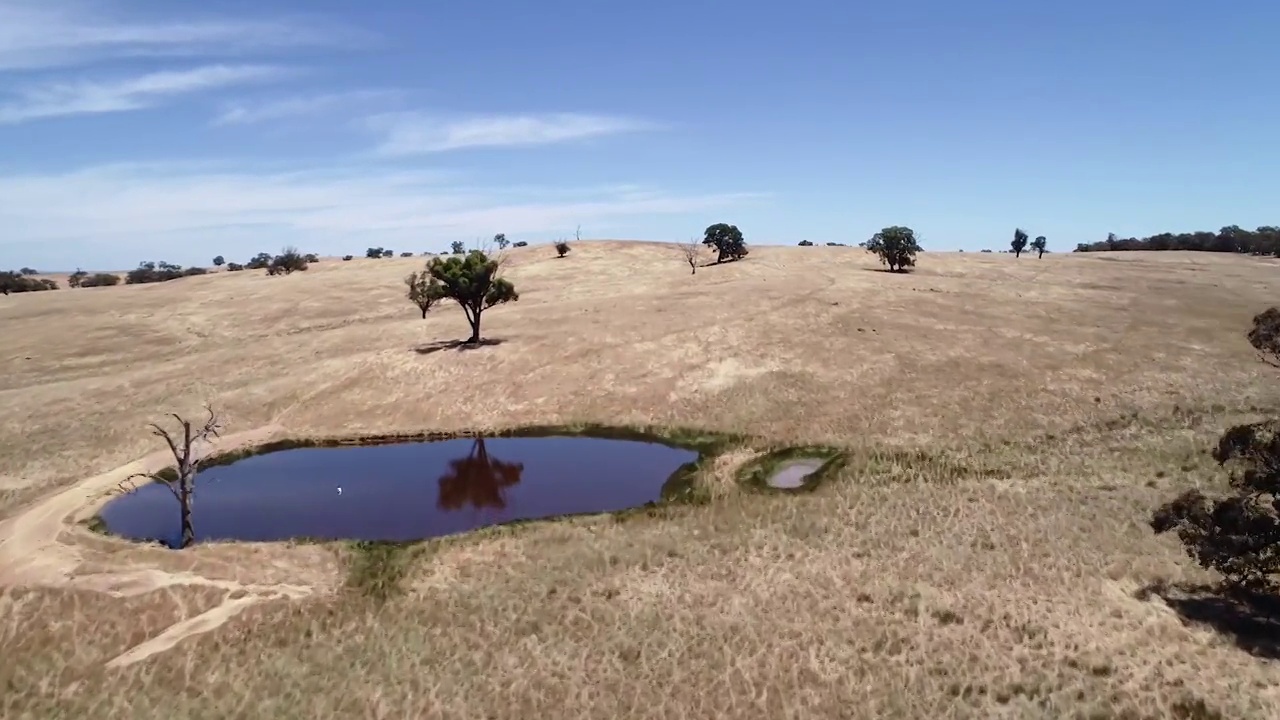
(403, 491)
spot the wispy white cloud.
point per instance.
(246, 113)
(119, 214)
(416, 133)
(55, 33)
(99, 96)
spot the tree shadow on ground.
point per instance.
(908, 271)
(1251, 619)
(437, 346)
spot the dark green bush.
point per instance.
(1237, 533)
(100, 280)
(154, 272)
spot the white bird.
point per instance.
(339, 491)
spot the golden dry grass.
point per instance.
(1011, 423)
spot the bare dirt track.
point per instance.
(1010, 424)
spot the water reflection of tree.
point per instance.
(478, 480)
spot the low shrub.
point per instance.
(16, 282)
(100, 280)
(346, 257)
(154, 272)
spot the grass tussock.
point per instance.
(1007, 428)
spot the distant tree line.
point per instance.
(1232, 238)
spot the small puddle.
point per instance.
(403, 491)
(793, 474)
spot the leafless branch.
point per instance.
(691, 252)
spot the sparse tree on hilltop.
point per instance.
(373, 252)
(1039, 245)
(388, 253)
(181, 480)
(896, 246)
(29, 271)
(500, 240)
(311, 258)
(288, 261)
(1019, 242)
(473, 282)
(691, 252)
(219, 261)
(562, 248)
(727, 240)
(261, 261)
(424, 290)
(100, 280)
(457, 247)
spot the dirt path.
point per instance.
(35, 551)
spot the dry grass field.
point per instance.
(1010, 426)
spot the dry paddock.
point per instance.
(1010, 425)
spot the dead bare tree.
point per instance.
(183, 448)
(691, 252)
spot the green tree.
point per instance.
(473, 282)
(1039, 244)
(1019, 242)
(727, 240)
(261, 261)
(1238, 533)
(500, 240)
(219, 260)
(100, 280)
(457, 247)
(288, 261)
(896, 246)
(424, 291)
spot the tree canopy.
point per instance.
(896, 246)
(1039, 245)
(727, 240)
(1019, 242)
(473, 282)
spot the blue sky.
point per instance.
(165, 130)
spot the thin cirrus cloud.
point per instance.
(156, 210)
(85, 97)
(418, 133)
(250, 113)
(38, 34)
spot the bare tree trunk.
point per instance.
(188, 528)
(1040, 256)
